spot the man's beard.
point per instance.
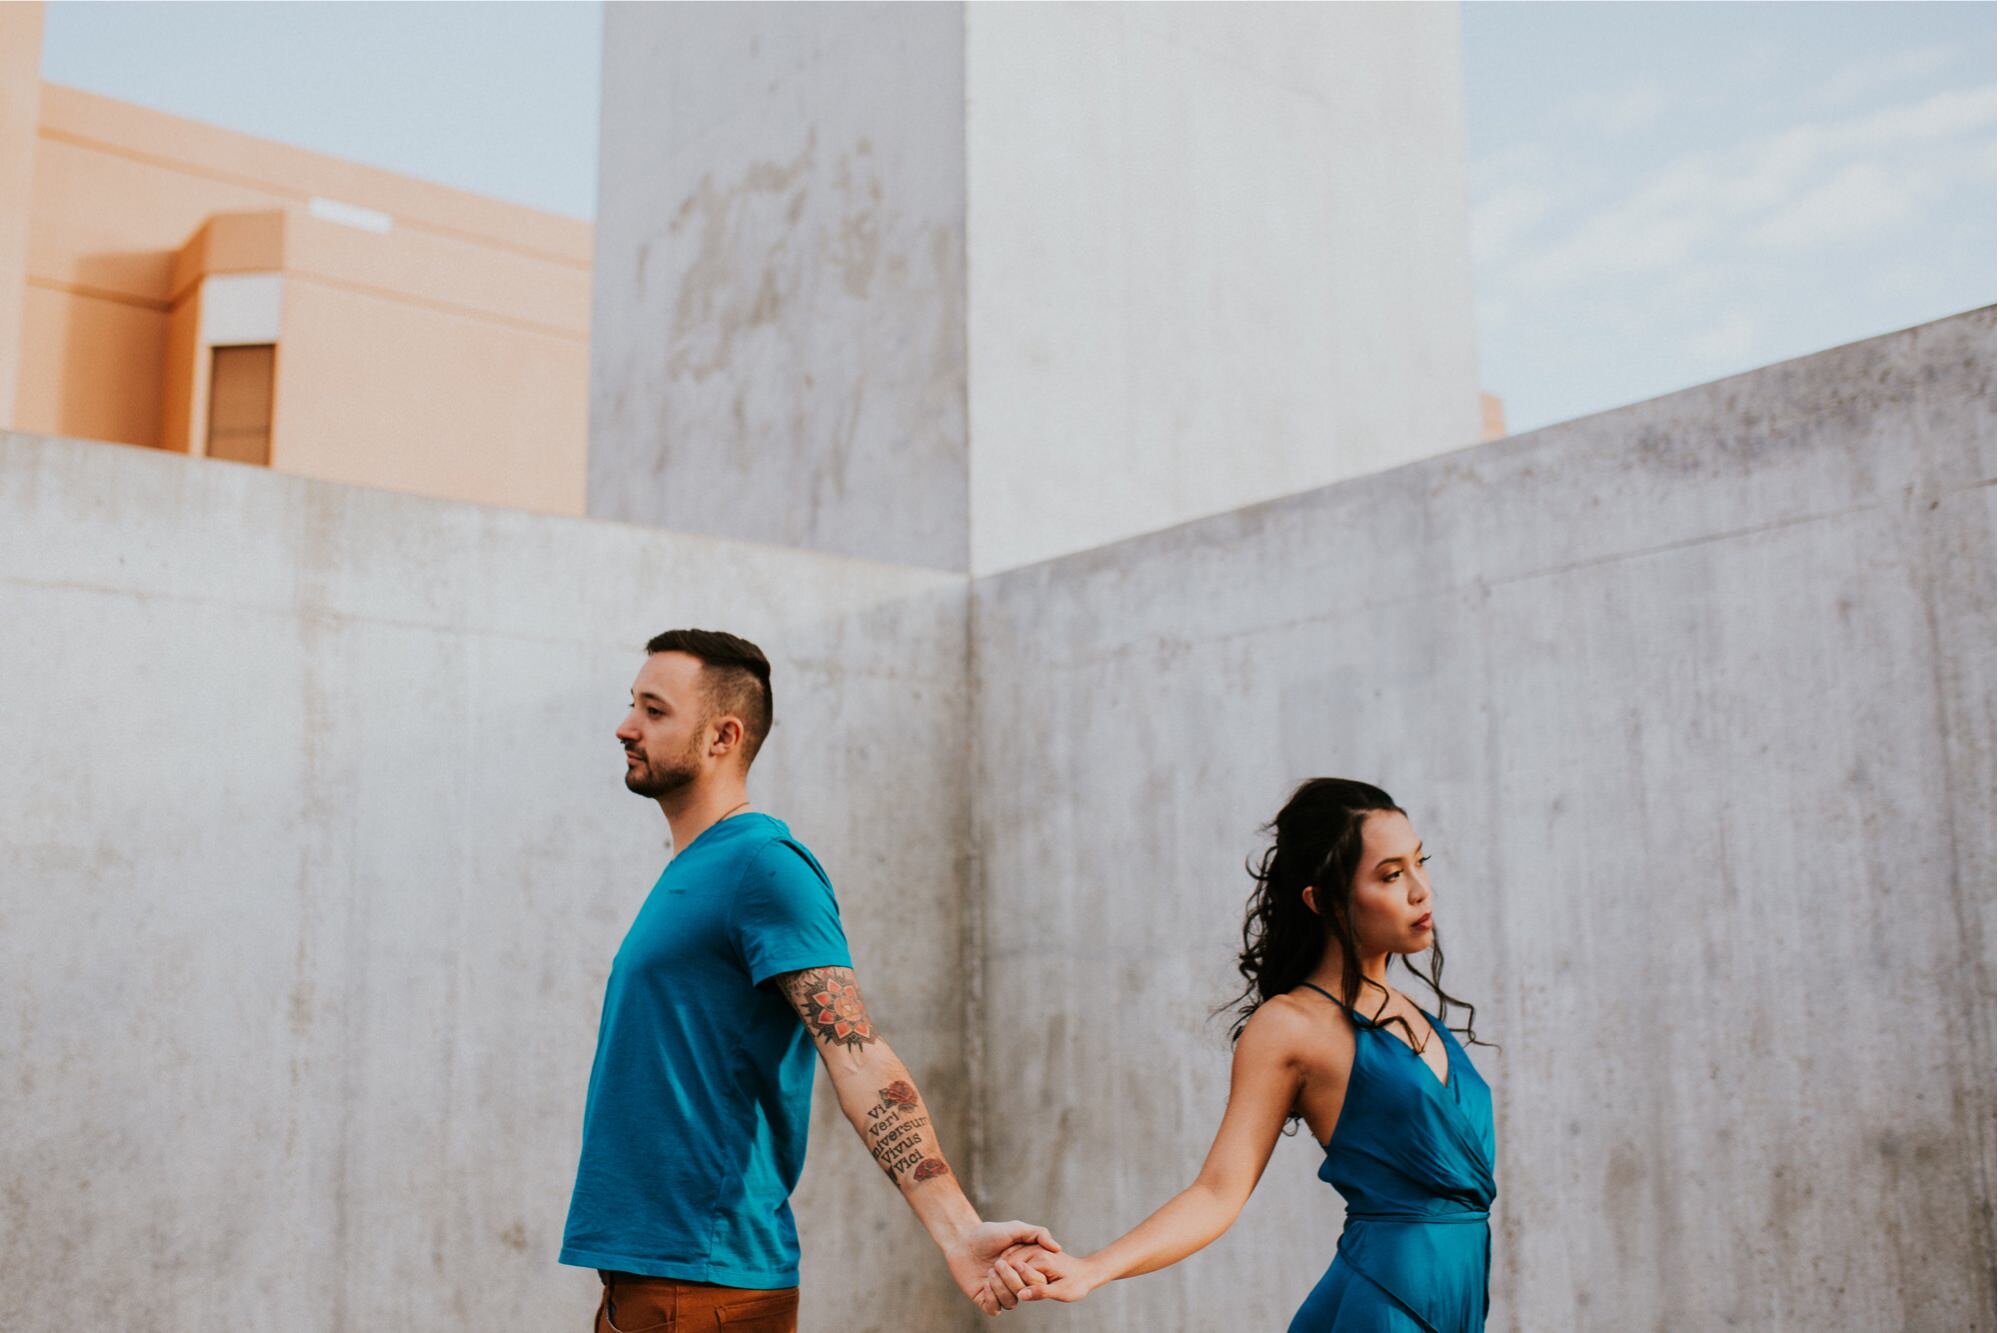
(653, 781)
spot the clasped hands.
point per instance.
(1036, 1272)
(1000, 1264)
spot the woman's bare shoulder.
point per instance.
(1299, 1022)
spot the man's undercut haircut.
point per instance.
(735, 674)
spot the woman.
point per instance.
(1405, 1120)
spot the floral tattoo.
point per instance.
(897, 1127)
(830, 1003)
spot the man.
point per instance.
(694, 1128)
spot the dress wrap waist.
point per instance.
(1463, 1215)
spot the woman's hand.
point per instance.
(971, 1254)
(1264, 1083)
(1031, 1273)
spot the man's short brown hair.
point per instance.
(735, 674)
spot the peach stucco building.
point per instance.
(169, 284)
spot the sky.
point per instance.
(1662, 193)
(496, 98)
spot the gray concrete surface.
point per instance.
(778, 330)
(1693, 701)
(314, 851)
(1217, 253)
(971, 286)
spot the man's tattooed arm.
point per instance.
(881, 1101)
(875, 1089)
(830, 1003)
(896, 1134)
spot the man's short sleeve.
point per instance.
(785, 916)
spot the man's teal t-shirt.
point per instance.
(694, 1130)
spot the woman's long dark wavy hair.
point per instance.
(1318, 843)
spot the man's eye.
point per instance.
(652, 712)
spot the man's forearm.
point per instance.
(881, 1101)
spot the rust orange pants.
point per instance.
(635, 1304)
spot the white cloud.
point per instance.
(1501, 218)
(1887, 70)
(1516, 162)
(1637, 106)
(1813, 184)
(1729, 341)
(1939, 116)
(1791, 194)
(1859, 199)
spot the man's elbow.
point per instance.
(861, 1078)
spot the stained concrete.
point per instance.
(778, 336)
(314, 851)
(972, 286)
(1692, 700)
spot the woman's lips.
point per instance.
(1423, 922)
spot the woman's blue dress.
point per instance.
(1413, 1158)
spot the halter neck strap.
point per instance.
(1331, 996)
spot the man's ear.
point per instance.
(728, 736)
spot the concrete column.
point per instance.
(1219, 254)
(20, 114)
(778, 337)
(971, 287)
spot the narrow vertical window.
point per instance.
(239, 403)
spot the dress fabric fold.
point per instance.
(1413, 1159)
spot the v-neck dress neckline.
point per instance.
(1412, 1158)
(1449, 1080)
(1450, 1077)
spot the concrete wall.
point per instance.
(1694, 702)
(1217, 254)
(971, 286)
(778, 340)
(314, 851)
(313, 855)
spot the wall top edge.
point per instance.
(1597, 437)
(113, 467)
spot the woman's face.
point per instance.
(1390, 909)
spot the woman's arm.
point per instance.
(1264, 1082)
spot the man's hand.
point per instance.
(1037, 1273)
(879, 1097)
(971, 1257)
